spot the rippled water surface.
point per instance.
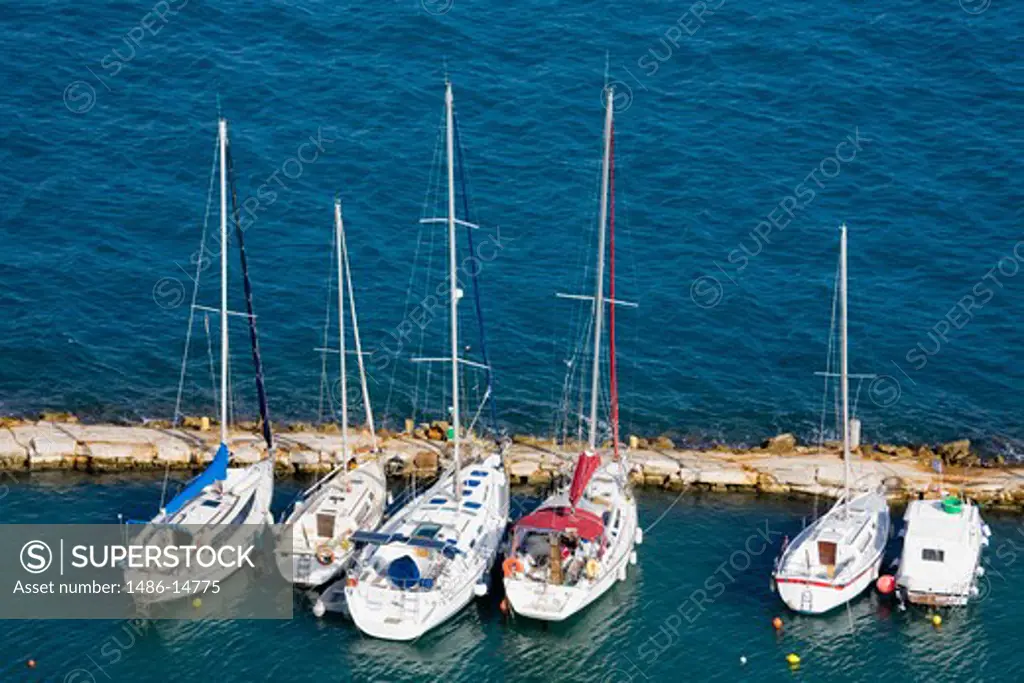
(652, 627)
(730, 124)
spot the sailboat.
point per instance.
(579, 542)
(435, 554)
(221, 496)
(351, 496)
(834, 559)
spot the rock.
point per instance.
(783, 443)
(193, 422)
(298, 427)
(328, 428)
(67, 418)
(956, 452)
(8, 421)
(435, 434)
(13, 456)
(425, 462)
(440, 427)
(540, 478)
(663, 443)
(895, 451)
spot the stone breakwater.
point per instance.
(779, 466)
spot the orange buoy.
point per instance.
(503, 606)
(31, 663)
(886, 584)
(777, 623)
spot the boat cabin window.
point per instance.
(932, 555)
(426, 530)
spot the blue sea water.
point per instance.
(902, 119)
(696, 602)
(745, 133)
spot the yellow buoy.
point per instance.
(793, 659)
(936, 620)
(197, 603)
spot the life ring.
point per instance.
(512, 566)
(324, 555)
(592, 568)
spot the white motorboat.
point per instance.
(429, 561)
(941, 560)
(835, 558)
(223, 504)
(316, 535)
(579, 542)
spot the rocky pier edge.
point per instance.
(57, 441)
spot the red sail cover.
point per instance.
(586, 465)
(588, 525)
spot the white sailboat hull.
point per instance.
(475, 526)
(249, 490)
(352, 500)
(545, 601)
(821, 598)
(836, 558)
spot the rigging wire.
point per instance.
(195, 286)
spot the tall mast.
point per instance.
(844, 378)
(454, 285)
(341, 331)
(358, 343)
(223, 133)
(599, 287)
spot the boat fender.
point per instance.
(319, 609)
(512, 566)
(592, 568)
(638, 539)
(980, 571)
(480, 589)
(632, 558)
(622, 573)
(346, 544)
(324, 555)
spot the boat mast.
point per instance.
(341, 331)
(223, 133)
(454, 285)
(844, 377)
(355, 334)
(599, 287)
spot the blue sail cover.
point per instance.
(216, 471)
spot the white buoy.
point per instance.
(319, 609)
(632, 558)
(638, 538)
(743, 659)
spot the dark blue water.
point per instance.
(652, 627)
(732, 176)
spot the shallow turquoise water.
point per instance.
(721, 119)
(649, 628)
